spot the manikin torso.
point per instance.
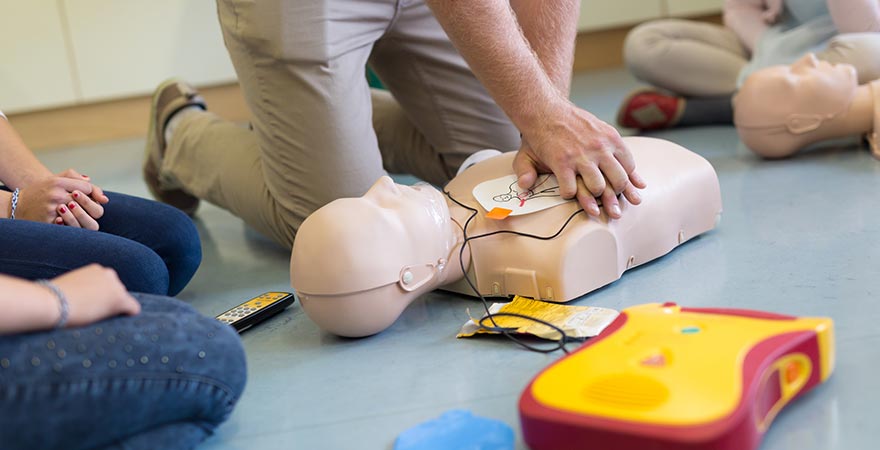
(682, 200)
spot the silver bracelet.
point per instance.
(14, 202)
(62, 302)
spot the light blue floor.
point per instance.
(798, 237)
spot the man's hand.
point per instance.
(587, 156)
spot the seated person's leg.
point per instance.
(105, 383)
(686, 57)
(444, 113)
(861, 50)
(163, 229)
(35, 250)
(697, 62)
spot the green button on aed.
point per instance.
(690, 330)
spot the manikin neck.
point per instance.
(452, 272)
(858, 118)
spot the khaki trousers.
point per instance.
(702, 59)
(318, 132)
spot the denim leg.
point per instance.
(171, 435)
(164, 229)
(35, 250)
(121, 383)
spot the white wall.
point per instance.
(63, 52)
(34, 63)
(600, 14)
(125, 48)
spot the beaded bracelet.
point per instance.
(62, 302)
(14, 202)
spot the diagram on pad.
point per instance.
(505, 193)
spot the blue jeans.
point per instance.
(163, 379)
(154, 247)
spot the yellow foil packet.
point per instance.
(576, 321)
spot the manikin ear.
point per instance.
(803, 123)
(416, 276)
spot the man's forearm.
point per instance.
(18, 165)
(487, 35)
(550, 27)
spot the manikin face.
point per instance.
(354, 244)
(800, 96)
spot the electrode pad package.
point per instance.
(578, 322)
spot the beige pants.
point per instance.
(318, 132)
(701, 59)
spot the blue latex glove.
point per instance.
(457, 429)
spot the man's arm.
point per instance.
(550, 29)
(560, 137)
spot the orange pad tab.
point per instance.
(499, 213)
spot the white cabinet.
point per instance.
(125, 48)
(598, 14)
(681, 8)
(63, 52)
(34, 62)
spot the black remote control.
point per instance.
(256, 310)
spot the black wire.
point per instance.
(564, 338)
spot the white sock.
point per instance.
(481, 155)
(176, 119)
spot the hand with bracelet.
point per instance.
(79, 297)
(67, 198)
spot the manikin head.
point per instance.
(358, 262)
(781, 109)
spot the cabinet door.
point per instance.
(125, 48)
(598, 14)
(684, 8)
(34, 64)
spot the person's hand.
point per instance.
(772, 12)
(95, 293)
(97, 193)
(39, 200)
(63, 200)
(587, 156)
(80, 212)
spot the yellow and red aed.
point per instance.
(666, 377)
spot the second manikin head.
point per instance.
(781, 109)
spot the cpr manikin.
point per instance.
(782, 109)
(358, 262)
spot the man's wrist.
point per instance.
(540, 115)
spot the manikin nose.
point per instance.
(807, 61)
(385, 184)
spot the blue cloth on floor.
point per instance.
(457, 429)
